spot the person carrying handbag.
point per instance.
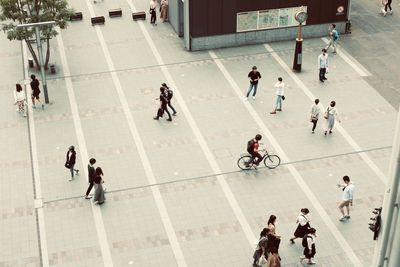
(331, 115)
(303, 225)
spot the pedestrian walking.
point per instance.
(70, 162)
(323, 65)
(169, 94)
(164, 10)
(333, 38)
(303, 225)
(163, 105)
(315, 111)
(280, 95)
(387, 4)
(20, 99)
(91, 175)
(261, 253)
(98, 197)
(254, 76)
(308, 243)
(35, 91)
(331, 114)
(153, 14)
(274, 239)
(347, 198)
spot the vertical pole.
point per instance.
(186, 26)
(383, 250)
(41, 62)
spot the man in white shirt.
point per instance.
(323, 65)
(347, 199)
(279, 87)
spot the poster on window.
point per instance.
(247, 21)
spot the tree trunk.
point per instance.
(33, 53)
(47, 53)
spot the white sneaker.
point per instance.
(343, 218)
(311, 262)
(245, 99)
(70, 179)
(254, 97)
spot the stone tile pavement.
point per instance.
(208, 227)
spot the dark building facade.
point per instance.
(211, 24)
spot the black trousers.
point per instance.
(322, 72)
(153, 16)
(170, 106)
(258, 156)
(314, 122)
(89, 188)
(164, 108)
(388, 5)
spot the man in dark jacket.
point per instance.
(169, 94)
(91, 175)
(70, 161)
(163, 105)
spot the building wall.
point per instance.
(218, 17)
(175, 15)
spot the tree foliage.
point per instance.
(14, 12)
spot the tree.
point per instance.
(14, 12)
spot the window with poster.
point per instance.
(267, 19)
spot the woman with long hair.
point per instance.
(98, 187)
(20, 99)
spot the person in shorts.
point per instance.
(35, 91)
(347, 199)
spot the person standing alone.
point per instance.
(254, 76)
(347, 199)
(315, 111)
(35, 91)
(70, 162)
(323, 65)
(280, 87)
(91, 176)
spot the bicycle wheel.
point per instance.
(244, 162)
(272, 161)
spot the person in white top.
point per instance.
(315, 111)
(309, 246)
(303, 225)
(331, 114)
(323, 65)
(20, 99)
(152, 11)
(280, 95)
(347, 199)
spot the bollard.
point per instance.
(348, 27)
(53, 69)
(30, 62)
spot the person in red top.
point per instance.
(252, 148)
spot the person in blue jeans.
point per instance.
(254, 76)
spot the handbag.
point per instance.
(283, 97)
(67, 165)
(326, 114)
(262, 260)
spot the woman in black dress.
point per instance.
(303, 225)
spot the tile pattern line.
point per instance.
(37, 188)
(175, 181)
(338, 126)
(229, 196)
(136, 138)
(296, 175)
(166, 64)
(97, 215)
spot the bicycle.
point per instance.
(271, 161)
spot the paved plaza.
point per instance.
(175, 196)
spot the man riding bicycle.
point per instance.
(252, 148)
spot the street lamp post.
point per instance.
(37, 25)
(300, 17)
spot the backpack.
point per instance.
(335, 35)
(169, 94)
(250, 145)
(304, 241)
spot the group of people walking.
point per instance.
(163, 11)
(95, 176)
